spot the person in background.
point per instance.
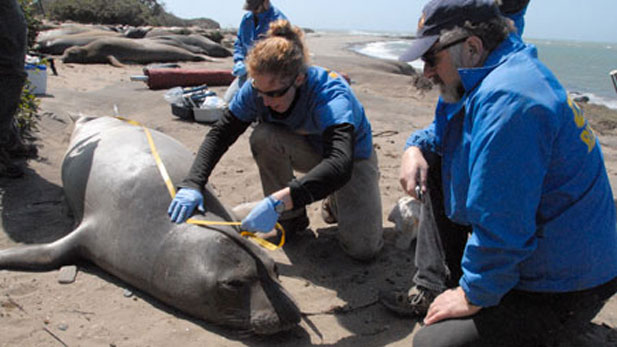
(523, 246)
(309, 121)
(253, 26)
(13, 31)
(515, 10)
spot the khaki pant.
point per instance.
(278, 152)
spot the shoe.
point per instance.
(328, 205)
(21, 150)
(294, 226)
(414, 303)
(8, 168)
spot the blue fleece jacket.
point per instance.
(252, 28)
(521, 165)
(325, 99)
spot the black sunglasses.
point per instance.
(429, 57)
(274, 93)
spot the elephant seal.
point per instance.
(195, 43)
(117, 50)
(69, 29)
(119, 199)
(59, 44)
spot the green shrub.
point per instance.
(129, 12)
(126, 12)
(27, 116)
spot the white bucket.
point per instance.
(37, 76)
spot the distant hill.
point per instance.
(125, 12)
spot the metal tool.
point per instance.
(419, 194)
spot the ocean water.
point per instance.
(581, 67)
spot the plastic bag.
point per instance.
(174, 96)
(213, 102)
(188, 97)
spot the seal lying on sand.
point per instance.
(57, 45)
(196, 44)
(117, 50)
(119, 198)
(67, 29)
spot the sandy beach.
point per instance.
(337, 295)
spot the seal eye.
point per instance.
(233, 284)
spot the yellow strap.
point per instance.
(157, 157)
(262, 242)
(172, 192)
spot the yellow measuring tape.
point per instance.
(172, 192)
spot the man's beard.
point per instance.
(450, 94)
(453, 93)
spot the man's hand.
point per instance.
(414, 170)
(450, 304)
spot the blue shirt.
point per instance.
(521, 165)
(324, 100)
(248, 32)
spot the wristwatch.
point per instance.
(279, 206)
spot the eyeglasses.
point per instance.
(274, 93)
(429, 58)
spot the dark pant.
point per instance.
(520, 319)
(9, 100)
(12, 51)
(440, 242)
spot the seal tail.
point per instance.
(43, 257)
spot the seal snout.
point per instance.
(272, 310)
(268, 323)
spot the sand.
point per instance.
(337, 295)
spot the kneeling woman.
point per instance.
(309, 120)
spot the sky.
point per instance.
(590, 20)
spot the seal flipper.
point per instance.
(113, 61)
(42, 257)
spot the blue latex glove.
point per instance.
(239, 69)
(262, 217)
(183, 205)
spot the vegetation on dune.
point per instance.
(125, 12)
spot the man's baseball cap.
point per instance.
(438, 15)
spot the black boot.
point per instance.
(8, 168)
(22, 150)
(17, 147)
(294, 226)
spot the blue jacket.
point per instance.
(325, 99)
(248, 32)
(521, 165)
